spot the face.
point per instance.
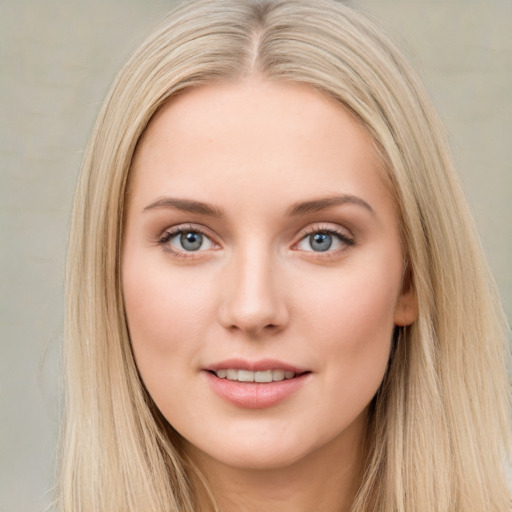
(262, 272)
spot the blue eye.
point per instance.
(187, 241)
(320, 241)
(323, 241)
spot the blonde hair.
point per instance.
(440, 426)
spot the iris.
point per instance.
(191, 240)
(320, 241)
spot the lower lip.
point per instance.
(255, 395)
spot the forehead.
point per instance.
(255, 138)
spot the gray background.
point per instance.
(57, 60)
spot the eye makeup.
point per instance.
(191, 240)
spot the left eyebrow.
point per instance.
(186, 205)
(316, 205)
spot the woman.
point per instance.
(276, 296)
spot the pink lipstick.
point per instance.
(256, 384)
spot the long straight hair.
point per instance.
(439, 433)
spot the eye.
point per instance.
(186, 240)
(324, 241)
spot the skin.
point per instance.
(257, 289)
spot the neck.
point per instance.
(326, 479)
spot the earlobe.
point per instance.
(406, 309)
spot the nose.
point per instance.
(253, 299)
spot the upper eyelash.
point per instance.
(172, 232)
(327, 229)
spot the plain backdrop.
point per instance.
(57, 60)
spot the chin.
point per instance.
(251, 451)
(258, 459)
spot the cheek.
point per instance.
(352, 321)
(165, 310)
(167, 317)
(355, 301)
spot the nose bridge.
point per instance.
(252, 300)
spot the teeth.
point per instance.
(245, 376)
(250, 376)
(263, 376)
(277, 375)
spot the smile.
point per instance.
(233, 374)
(256, 384)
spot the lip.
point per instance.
(255, 395)
(255, 366)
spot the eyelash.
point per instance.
(346, 240)
(342, 236)
(170, 234)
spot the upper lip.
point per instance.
(255, 366)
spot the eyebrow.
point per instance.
(186, 205)
(300, 208)
(315, 205)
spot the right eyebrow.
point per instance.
(328, 202)
(186, 205)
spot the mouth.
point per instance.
(261, 376)
(256, 384)
(261, 371)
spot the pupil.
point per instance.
(191, 241)
(320, 241)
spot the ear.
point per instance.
(406, 308)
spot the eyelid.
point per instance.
(343, 235)
(169, 233)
